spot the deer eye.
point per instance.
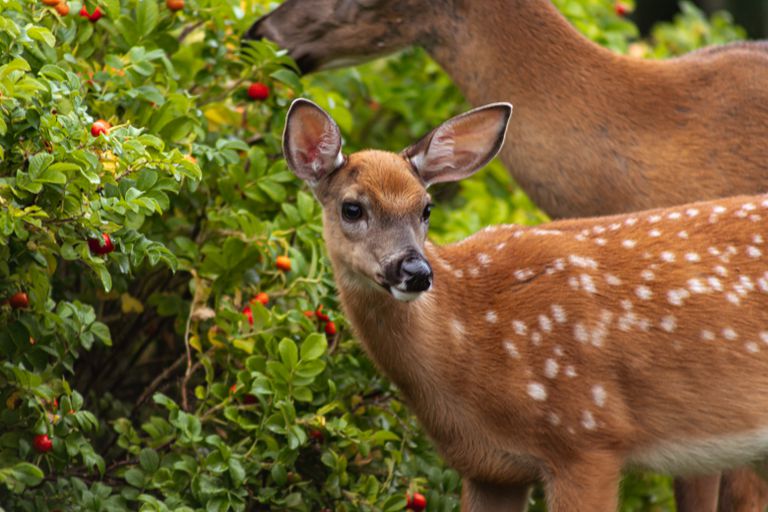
(351, 212)
(426, 213)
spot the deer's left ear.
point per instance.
(311, 142)
(462, 145)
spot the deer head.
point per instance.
(375, 204)
(334, 33)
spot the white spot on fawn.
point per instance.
(491, 317)
(674, 215)
(692, 257)
(545, 323)
(588, 421)
(654, 219)
(647, 275)
(570, 372)
(730, 334)
(553, 419)
(669, 323)
(629, 244)
(697, 286)
(764, 337)
(536, 338)
(588, 284)
(519, 327)
(458, 328)
(537, 391)
(559, 314)
(511, 349)
(599, 395)
(580, 333)
(752, 347)
(683, 235)
(643, 292)
(707, 335)
(668, 256)
(677, 296)
(654, 233)
(484, 259)
(754, 252)
(551, 367)
(612, 280)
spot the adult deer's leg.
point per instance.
(742, 490)
(697, 493)
(590, 484)
(483, 497)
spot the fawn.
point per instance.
(562, 353)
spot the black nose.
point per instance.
(254, 32)
(416, 273)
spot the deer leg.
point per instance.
(590, 484)
(484, 497)
(697, 493)
(742, 490)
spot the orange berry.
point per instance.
(283, 263)
(100, 127)
(261, 297)
(51, 2)
(62, 8)
(175, 5)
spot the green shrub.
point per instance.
(157, 390)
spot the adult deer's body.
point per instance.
(563, 353)
(595, 133)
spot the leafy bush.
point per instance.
(164, 376)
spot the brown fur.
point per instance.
(594, 133)
(613, 397)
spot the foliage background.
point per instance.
(140, 365)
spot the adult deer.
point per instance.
(595, 133)
(562, 353)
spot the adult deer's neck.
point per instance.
(525, 52)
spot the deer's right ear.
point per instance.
(311, 142)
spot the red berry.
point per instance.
(84, 12)
(42, 443)
(101, 247)
(320, 315)
(248, 312)
(233, 388)
(258, 91)
(261, 297)
(621, 9)
(316, 435)
(19, 300)
(100, 127)
(95, 15)
(330, 328)
(416, 502)
(249, 399)
(175, 5)
(283, 263)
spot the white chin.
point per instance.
(404, 296)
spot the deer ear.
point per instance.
(311, 142)
(462, 145)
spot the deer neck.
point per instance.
(525, 52)
(393, 333)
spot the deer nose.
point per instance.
(416, 274)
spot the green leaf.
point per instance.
(149, 460)
(313, 347)
(27, 473)
(236, 472)
(289, 354)
(146, 17)
(288, 77)
(43, 35)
